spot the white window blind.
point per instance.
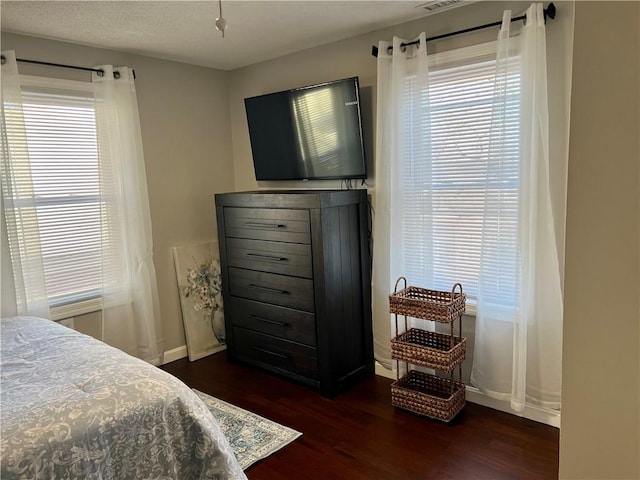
(445, 200)
(62, 182)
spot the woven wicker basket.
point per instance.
(428, 395)
(429, 349)
(433, 305)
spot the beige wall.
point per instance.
(352, 57)
(599, 434)
(184, 116)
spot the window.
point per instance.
(75, 204)
(62, 184)
(444, 224)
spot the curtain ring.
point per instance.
(116, 75)
(403, 48)
(389, 50)
(3, 60)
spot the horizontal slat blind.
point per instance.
(62, 183)
(61, 134)
(444, 222)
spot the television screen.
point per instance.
(307, 133)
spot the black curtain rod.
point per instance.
(49, 64)
(99, 71)
(549, 12)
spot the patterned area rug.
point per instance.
(251, 436)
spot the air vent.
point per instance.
(437, 6)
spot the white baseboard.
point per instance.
(537, 414)
(383, 372)
(175, 354)
(473, 395)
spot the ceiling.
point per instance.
(184, 30)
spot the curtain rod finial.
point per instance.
(550, 12)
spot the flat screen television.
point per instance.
(308, 133)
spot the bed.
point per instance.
(73, 407)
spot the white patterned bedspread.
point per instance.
(73, 407)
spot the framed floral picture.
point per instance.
(200, 289)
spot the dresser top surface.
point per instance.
(291, 198)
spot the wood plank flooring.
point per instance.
(359, 435)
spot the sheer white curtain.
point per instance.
(23, 290)
(518, 344)
(116, 213)
(403, 159)
(131, 310)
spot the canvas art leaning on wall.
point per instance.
(200, 288)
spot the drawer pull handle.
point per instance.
(272, 226)
(268, 289)
(266, 320)
(267, 257)
(275, 354)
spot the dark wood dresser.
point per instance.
(297, 283)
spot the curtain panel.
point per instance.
(130, 316)
(518, 348)
(403, 157)
(27, 293)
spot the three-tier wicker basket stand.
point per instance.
(434, 396)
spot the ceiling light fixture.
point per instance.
(221, 23)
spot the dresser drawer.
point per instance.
(281, 290)
(276, 224)
(280, 322)
(276, 352)
(275, 257)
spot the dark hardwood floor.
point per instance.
(359, 435)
